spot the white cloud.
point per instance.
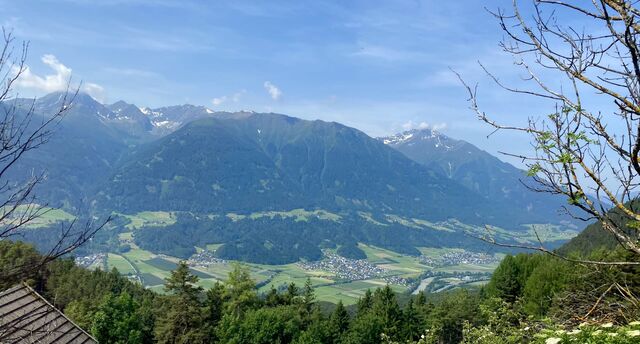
(132, 72)
(439, 126)
(218, 101)
(48, 83)
(273, 90)
(58, 81)
(388, 53)
(234, 98)
(408, 125)
(94, 90)
(424, 125)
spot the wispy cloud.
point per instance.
(219, 100)
(233, 98)
(181, 4)
(132, 72)
(409, 125)
(121, 35)
(389, 53)
(94, 90)
(273, 90)
(58, 81)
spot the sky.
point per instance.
(379, 66)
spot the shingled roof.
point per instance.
(26, 317)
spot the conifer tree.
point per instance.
(412, 324)
(385, 306)
(240, 291)
(338, 322)
(181, 320)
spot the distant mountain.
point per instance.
(256, 162)
(273, 188)
(81, 153)
(167, 119)
(476, 169)
(130, 120)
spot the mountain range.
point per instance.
(476, 170)
(237, 178)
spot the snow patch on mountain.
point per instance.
(410, 137)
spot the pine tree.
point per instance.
(273, 298)
(182, 282)
(181, 320)
(308, 300)
(505, 282)
(291, 295)
(338, 322)
(214, 308)
(412, 323)
(365, 302)
(240, 291)
(385, 306)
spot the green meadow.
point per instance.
(151, 269)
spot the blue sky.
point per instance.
(379, 66)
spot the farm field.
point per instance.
(150, 219)
(435, 270)
(48, 216)
(151, 270)
(337, 279)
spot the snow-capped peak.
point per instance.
(398, 138)
(411, 136)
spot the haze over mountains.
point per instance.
(475, 169)
(238, 178)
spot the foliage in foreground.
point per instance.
(530, 299)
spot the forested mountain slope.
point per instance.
(478, 171)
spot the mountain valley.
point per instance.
(267, 188)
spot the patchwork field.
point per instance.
(334, 278)
(403, 273)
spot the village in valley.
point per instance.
(343, 278)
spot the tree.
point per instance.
(14, 255)
(273, 298)
(544, 282)
(506, 281)
(291, 295)
(587, 149)
(338, 322)
(262, 325)
(412, 324)
(366, 328)
(118, 320)
(239, 291)
(365, 302)
(181, 320)
(215, 303)
(385, 306)
(22, 130)
(182, 282)
(307, 302)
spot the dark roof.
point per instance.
(26, 317)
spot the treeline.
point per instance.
(532, 293)
(115, 310)
(527, 294)
(545, 286)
